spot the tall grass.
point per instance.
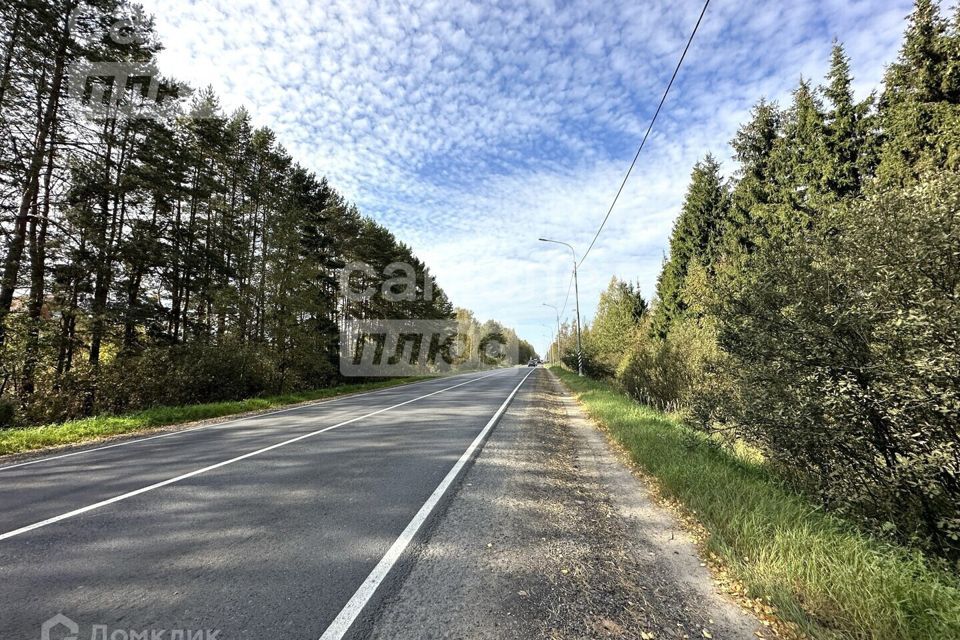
(820, 572)
(87, 429)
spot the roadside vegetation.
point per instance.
(103, 426)
(810, 308)
(170, 253)
(818, 570)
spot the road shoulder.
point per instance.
(549, 535)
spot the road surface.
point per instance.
(551, 536)
(284, 524)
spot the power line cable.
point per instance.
(647, 134)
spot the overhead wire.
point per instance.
(647, 134)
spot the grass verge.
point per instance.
(822, 574)
(88, 429)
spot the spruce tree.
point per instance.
(799, 165)
(920, 68)
(917, 120)
(697, 236)
(753, 147)
(950, 85)
(849, 144)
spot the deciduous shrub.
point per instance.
(669, 373)
(593, 365)
(845, 347)
(187, 374)
(176, 375)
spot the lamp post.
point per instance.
(576, 289)
(558, 327)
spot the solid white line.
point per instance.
(302, 405)
(342, 623)
(158, 485)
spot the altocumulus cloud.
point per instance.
(472, 128)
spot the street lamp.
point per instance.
(576, 289)
(558, 327)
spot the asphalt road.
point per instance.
(551, 536)
(264, 527)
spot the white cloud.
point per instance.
(472, 128)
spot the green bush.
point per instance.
(187, 374)
(593, 365)
(677, 371)
(172, 376)
(652, 373)
(844, 343)
(69, 398)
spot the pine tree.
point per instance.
(48, 93)
(155, 179)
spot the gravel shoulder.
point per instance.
(551, 536)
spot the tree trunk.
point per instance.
(68, 331)
(133, 291)
(100, 289)
(38, 257)
(176, 277)
(8, 54)
(11, 264)
(113, 208)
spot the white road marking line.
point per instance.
(313, 403)
(345, 619)
(158, 485)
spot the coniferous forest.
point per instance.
(156, 249)
(809, 305)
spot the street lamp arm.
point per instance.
(574, 251)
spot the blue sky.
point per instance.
(472, 128)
